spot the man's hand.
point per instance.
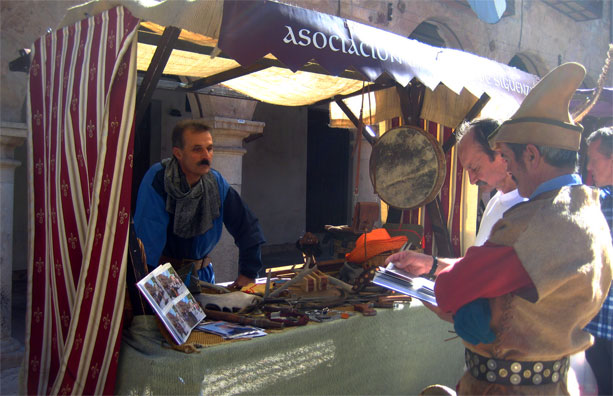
(241, 281)
(412, 262)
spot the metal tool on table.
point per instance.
(240, 319)
(391, 301)
(346, 287)
(326, 315)
(306, 270)
(308, 244)
(317, 302)
(287, 316)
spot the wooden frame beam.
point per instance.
(357, 122)
(411, 101)
(154, 72)
(377, 86)
(224, 76)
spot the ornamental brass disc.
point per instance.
(407, 167)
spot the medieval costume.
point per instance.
(181, 224)
(551, 267)
(521, 301)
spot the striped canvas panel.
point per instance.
(80, 114)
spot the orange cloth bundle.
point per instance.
(374, 243)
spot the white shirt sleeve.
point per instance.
(494, 210)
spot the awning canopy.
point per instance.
(603, 107)
(296, 36)
(288, 55)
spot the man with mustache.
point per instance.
(181, 208)
(486, 169)
(521, 301)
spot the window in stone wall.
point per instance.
(437, 34)
(427, 33)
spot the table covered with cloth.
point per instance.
(398, 351)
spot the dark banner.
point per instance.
(602, 108)
(252, 29)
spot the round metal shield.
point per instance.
(407, 167)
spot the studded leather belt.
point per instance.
(512, 372)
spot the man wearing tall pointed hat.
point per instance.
(520, 301)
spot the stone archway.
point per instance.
(529, 63)
(437, 33)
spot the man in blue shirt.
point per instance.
(600, 164)
(181, 208)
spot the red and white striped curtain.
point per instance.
(81, 113)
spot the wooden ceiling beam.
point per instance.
(223, 76)
(154, 72)
(377, 86)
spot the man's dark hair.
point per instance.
(560, 158)
(194, 125)
(483, 129)
(605, 136)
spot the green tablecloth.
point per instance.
(395, 352)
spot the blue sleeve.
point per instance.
(242, 224)
(472, 322)
(151, 218)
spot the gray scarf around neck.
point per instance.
(194, 208)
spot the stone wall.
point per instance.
(274, 172)
(23, 21)
(536, 30)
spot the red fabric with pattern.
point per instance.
(81, 110)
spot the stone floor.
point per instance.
(9, 382)
(9, 373)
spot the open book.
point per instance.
(171, 301)
(405, 283)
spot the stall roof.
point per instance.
(288, 55)
(602, 108)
